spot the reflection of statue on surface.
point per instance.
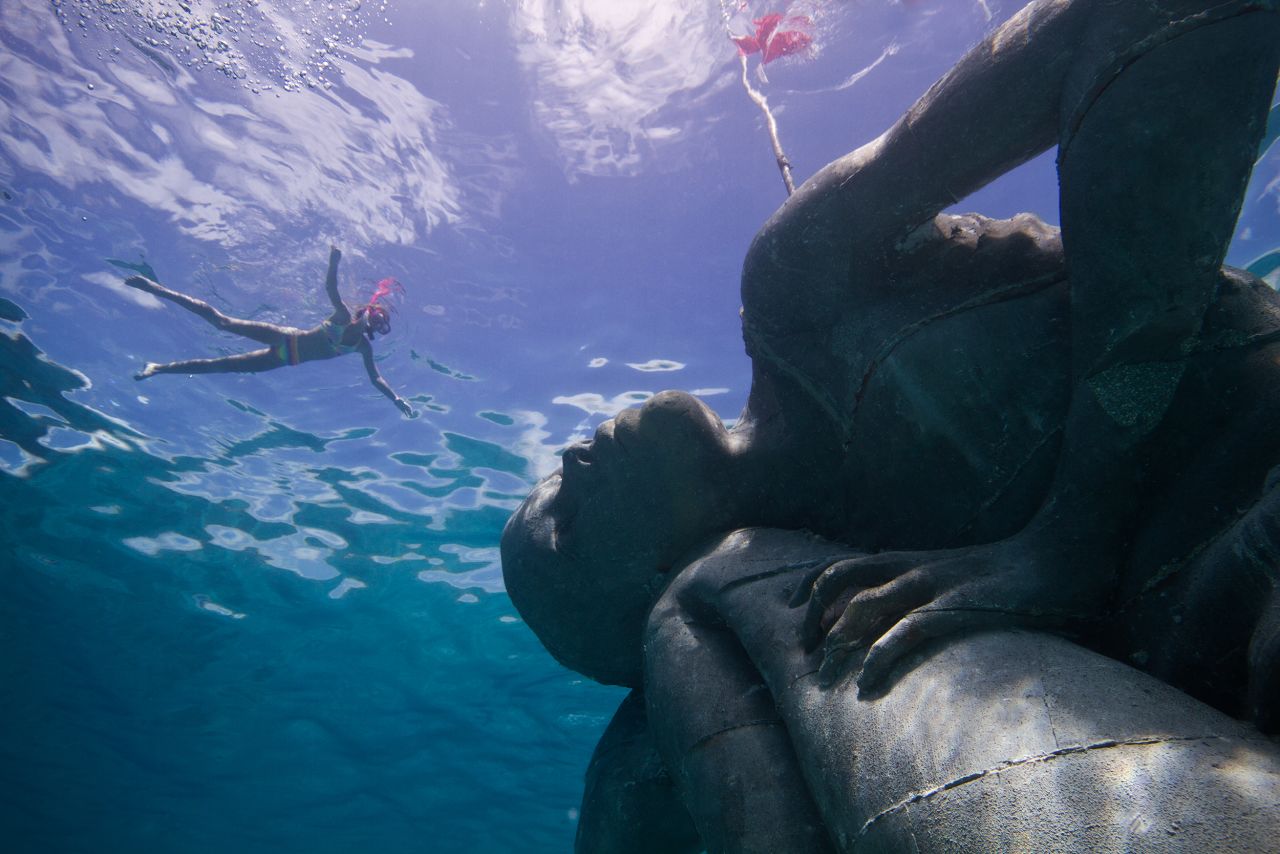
(1067, 432)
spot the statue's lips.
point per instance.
(548, 511)
(585, 468)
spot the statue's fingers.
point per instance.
(909, 633)
(805, 588)
(825, 588)
(871, 611)
(834, 583)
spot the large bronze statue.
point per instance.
(993, 431)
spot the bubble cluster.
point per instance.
(265, 45)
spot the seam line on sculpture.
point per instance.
(1173, 567)
(991, 297)
(1044, 699)
(961, 609)
(1257, 340)
(782, 570)
(1175, 30)
(1260, 339)
(824, 400)
(967, 527)
(745, 725)
(995, 771)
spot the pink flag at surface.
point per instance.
(755, 43)
(785, 43)
(771, 41)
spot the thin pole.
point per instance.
(784, 165)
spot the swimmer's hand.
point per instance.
(891, 603)
(403, 406)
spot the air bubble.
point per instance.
(244, 33)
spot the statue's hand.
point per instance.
(895, 601)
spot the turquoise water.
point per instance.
(265, 613)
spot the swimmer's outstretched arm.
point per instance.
(341, 314)
(366, 353)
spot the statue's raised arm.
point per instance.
(995, 425)
(1157, 110)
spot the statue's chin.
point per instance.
(582, 610)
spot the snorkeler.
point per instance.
(344, 332)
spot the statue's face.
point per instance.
(588, 550)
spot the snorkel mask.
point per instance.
(378, 317)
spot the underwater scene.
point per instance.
(257, 605)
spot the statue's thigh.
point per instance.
(1211, 628)
(1153, 165)
(1205, 556)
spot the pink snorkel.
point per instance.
(380, 315)
(386, 288)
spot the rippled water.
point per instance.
(264, 613)
(294, 640)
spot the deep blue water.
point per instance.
(264, 613)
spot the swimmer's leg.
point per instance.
(256, 330)
(243, 363)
